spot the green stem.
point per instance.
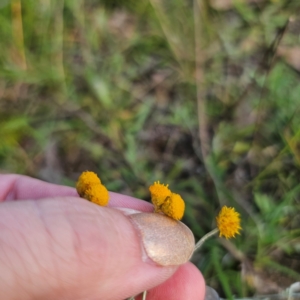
(204, 238)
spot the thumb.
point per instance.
(69, 248)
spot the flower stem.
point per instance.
(144, 295)
(204, 238)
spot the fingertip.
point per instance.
(186, 283)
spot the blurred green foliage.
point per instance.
(120, 88)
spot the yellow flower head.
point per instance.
(173, 207)
(89, 187)
(97, 194)
(159, 193)
(228, 222)
(85, 180)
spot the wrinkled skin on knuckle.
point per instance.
(63, 248)
(39, 246)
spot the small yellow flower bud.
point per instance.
(173, 207)
(97, 194)
(159, 192)
(89, 187)
(85, 180)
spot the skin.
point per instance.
(55, 245)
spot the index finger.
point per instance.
(20, 187)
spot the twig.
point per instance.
(199, 10)
(17, 24)
(269, 56)
(58, 32)
(202, 117)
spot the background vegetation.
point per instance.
(203, 95)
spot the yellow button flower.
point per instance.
(159, 193)
(85, 180)
(228, 222)
(173, 207)
(97, 194)
(89, 187)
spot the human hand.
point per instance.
(55, 245)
